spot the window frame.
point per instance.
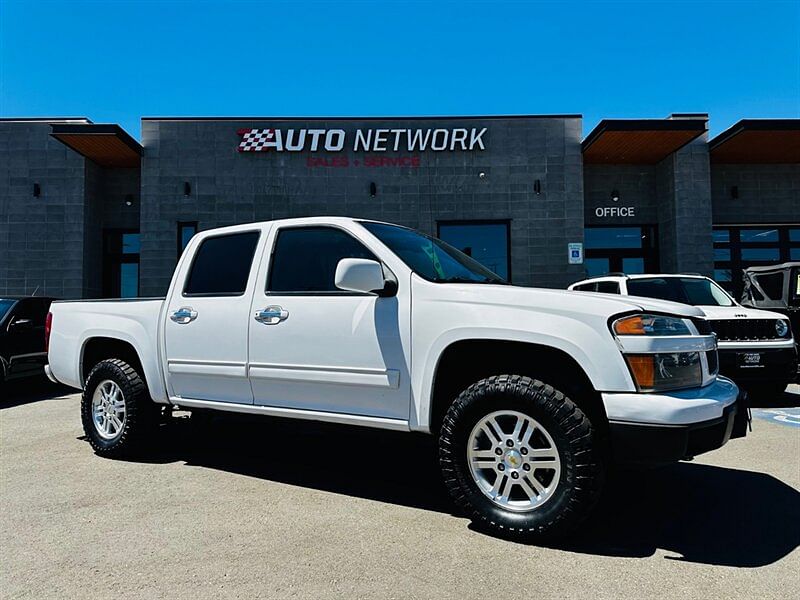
(184, 294)
(112, 260)
(734, 245)
(506, 222)
(179, 239)
(330, 293)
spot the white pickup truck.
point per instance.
(532, 393)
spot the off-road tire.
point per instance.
(582, 469)
(141, 413)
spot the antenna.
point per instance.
(36, 290)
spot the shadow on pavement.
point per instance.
(32, 389)
(703, 514)
(788, 399)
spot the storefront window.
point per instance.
(121, 263)
(758, 235)
(737, 247)
(487, 242)
(620, 249)
(186, 231)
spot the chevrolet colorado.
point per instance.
(532, 393)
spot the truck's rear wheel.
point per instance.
(116, 411)
(520, 457)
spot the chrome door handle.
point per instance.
(272, 315)
(184, 315)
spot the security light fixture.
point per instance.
(481, 175)
(129, 200)
(734, 191)
(537, 187)
(37, 190)
(187, 189)
(615, 195)
(373, 189)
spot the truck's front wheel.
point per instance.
(520, 457)
(116, 410)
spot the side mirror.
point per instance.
(359, 275)
(21, 325)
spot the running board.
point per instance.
(294, 413)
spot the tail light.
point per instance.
(48, 325)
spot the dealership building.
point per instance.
(86, 210)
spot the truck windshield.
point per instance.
(687, 290)
(432, 258)
(5, 306)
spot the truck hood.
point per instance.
(559, 301)
(738, 312)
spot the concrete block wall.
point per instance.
(766, 193)
(636, 185)
(230, 187)
(683, 189)
(41, 239)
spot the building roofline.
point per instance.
(361, 118)
(45, 120)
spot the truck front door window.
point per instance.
(305, 259)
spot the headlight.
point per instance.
(651, 325)
(782, 328)
(662, 352)
(666, 371)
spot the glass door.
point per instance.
(121, 263)
(620, 250)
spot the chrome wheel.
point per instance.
(108, 410)
(513, 460)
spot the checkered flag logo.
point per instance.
(256, 140)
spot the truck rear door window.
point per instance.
(305, 259)
(222, 265)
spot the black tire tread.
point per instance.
(140, 411)
(588, 469)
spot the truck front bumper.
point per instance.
(667, 427)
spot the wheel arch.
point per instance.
(465, 361)
(95, 349)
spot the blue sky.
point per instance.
(116, 61)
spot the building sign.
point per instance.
(363, 140)
(575, 253)
(615, 211)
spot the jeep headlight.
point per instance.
(662, 352)
(782, 328)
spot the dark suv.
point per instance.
(22, 336)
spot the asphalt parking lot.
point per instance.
(281, 509)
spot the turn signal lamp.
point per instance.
(48, 326)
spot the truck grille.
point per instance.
(744, 329)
